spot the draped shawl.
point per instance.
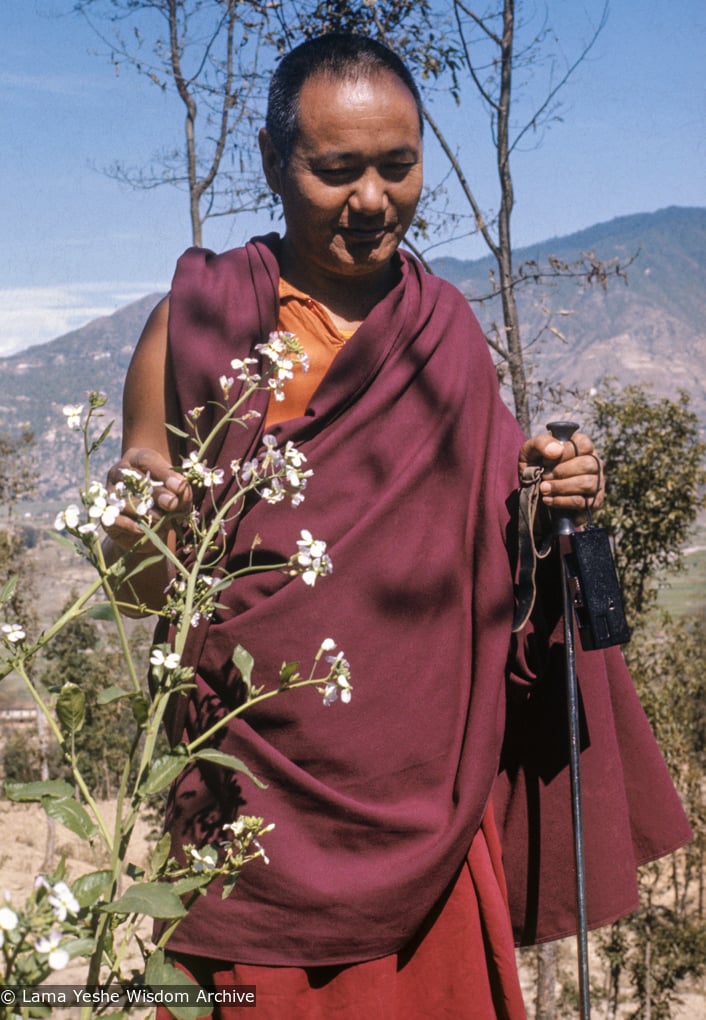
(375, 802)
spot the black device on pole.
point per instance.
(564, 531)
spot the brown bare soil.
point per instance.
(23, 856)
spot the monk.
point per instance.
(398, 817)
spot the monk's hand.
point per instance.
(572, 472)
(171, 494)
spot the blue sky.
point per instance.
(76, 244)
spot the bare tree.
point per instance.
(490, 58)
(207, 53)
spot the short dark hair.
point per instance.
(342, 55)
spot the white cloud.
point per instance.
(54, 84)
(34, 315)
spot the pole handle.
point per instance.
(563, 520)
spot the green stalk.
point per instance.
(76, 774)
(256, 700)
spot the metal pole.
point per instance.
(563, 529)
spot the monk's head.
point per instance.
(342, 147)
(338, 57)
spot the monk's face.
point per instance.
(352, 183)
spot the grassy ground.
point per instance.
(684, 594)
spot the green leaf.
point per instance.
(140, 708)
(288, 672)
(229, 885)
(154, 899)
(160, 854)
(102, 437)
(71, 814)
(79, 947)
(7, 589)
(101, 611)
(243, 661)
(186, 885)
(89, 888)
(164, 549)
(112, 693)
(62, 539)
(144, 564)
(71, 707)
(39, 790)
(156, 968)
(163, 772)
(215, 757)
(159, 973)
(178, 432)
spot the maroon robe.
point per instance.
(376, 802)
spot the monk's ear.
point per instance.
(271, 162)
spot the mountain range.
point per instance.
(648, 326)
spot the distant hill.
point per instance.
(651, 330)
(36, 384)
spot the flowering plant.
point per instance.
(91, 918)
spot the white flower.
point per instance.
(328, 645)
(213, 476)
(339, 681)
(13, 633)
(110, 515)
(274, 492)
(170, 661)
(332, 690)
(245, 831)
(68, 518)
(8, 919)
(176, 593)
(225, 382)
(72, 413)
(102, 505)
(58, 958)
(62, 901)
(248, 470)
(199, 472)
(203, 860)
(138, 488)
(284, 352)
(312, 560)
(242, 366)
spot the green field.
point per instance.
(684, 593)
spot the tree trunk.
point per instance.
(546, 981)
(647, 1015)
(513, 339)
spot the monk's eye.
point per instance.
(397, 170)
(338, 174)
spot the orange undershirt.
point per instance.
(302, 315)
